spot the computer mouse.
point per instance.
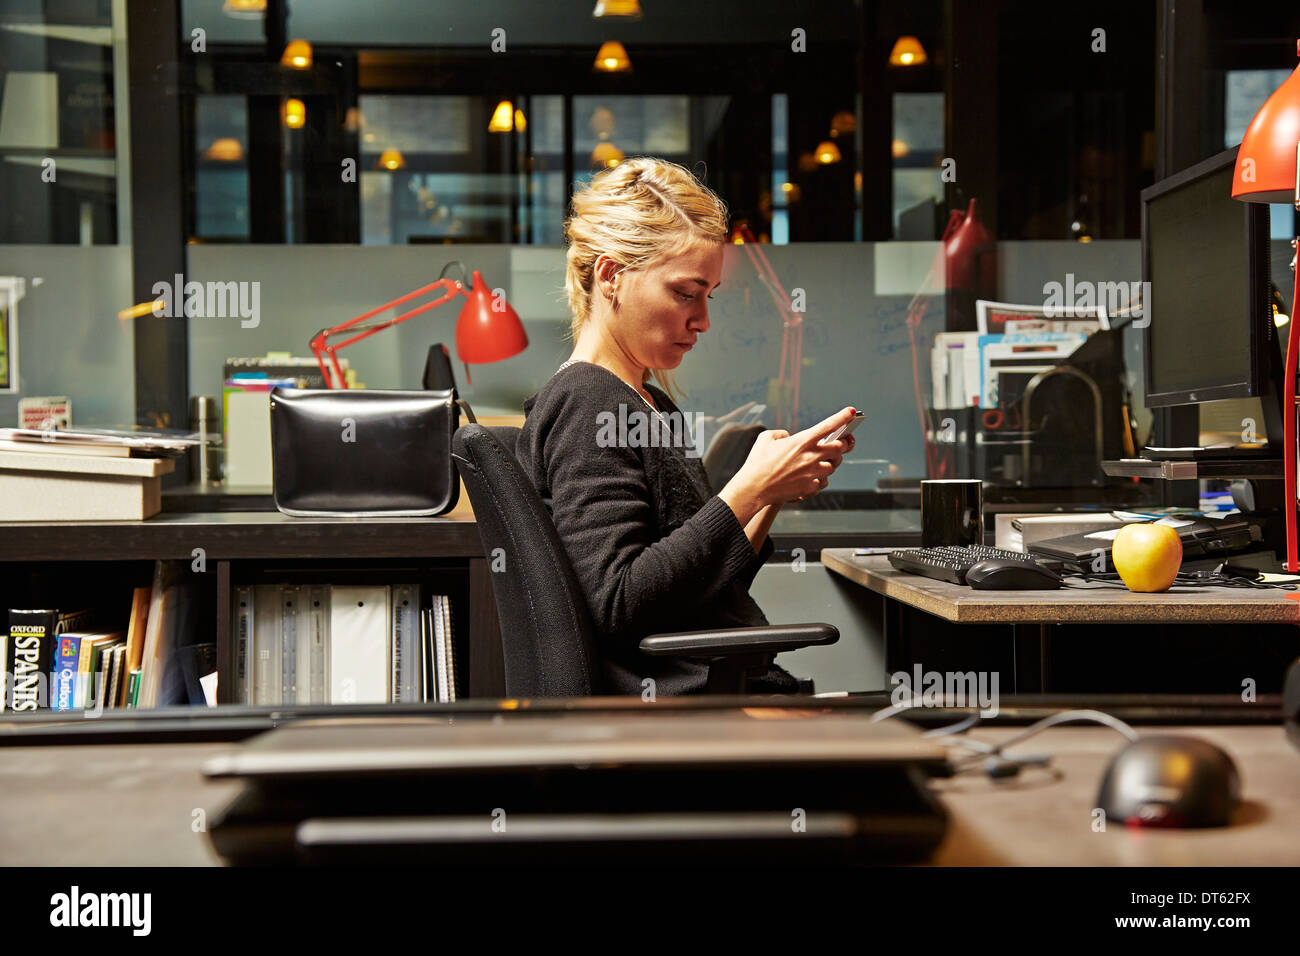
(1003, 574)
(1166, 781)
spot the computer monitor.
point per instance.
(1209, 332)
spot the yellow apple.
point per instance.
(1147, 556)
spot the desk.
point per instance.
(1044, 817)
(1030, 613)
(151, 792)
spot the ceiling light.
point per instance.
(827, 153)
(618, 8)
(502, 118)
(244, 9)
(297, 55)
(907, 52)
(606, 154)
(227, 149)
(612, 58)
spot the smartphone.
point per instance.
(844, 429)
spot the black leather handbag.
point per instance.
(353, 452)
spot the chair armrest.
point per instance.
(723, 642)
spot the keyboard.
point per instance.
(1197, 453)
(951, 562)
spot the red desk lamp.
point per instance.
(487, 330)
(1268, 170)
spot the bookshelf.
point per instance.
(110, 557)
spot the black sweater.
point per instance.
(654, 549)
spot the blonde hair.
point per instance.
(638, 213)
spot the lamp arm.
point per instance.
(323, 348)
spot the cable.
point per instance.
(996, 765)
(1189, 579)
(956, 728)
(1067, 716)
(464, 273)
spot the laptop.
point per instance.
(1206, 537)
(763, 784)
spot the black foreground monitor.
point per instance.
(1209, 332)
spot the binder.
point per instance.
(407, 665)
(439, 649)
(360, 635)
(266, 655)
(443, 677)
(430, 659)
(242, 621)
(317, 641)
(449, 651)
(289, 598)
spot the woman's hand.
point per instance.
(782, 467)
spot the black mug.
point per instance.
(952, 512)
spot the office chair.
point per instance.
(728, 451)
(548, 639)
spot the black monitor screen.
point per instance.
(1200, 262)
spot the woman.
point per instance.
(654, 547)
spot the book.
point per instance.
(161, 683)
(88, 665)
(133, 690)
(242, 622)
(44, 412)
(140, 601)
(29, 655)
(67, 655)
(113, 674)
(94, 659)
(144, 441)
(66, 448)
(360, 634)
(119, 684)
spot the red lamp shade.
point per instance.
(1266, 161)
(488, 329)
(1268, 170)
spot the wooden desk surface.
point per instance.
(151, 792)
(964, 605)
(1044, 817)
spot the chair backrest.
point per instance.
(728, 451)
(546, 630)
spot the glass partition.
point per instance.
(846, 139)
